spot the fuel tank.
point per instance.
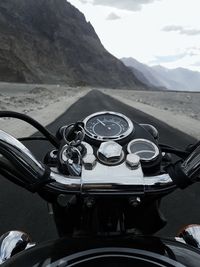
(116, 251)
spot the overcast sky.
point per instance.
(165, 32)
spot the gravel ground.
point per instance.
(187, 103)
(180, 110)
(41, 102)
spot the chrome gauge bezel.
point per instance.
(156, 149)
(105, 138)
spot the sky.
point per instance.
(155, 32)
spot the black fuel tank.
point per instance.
(81, 252)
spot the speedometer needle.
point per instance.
(101, 123)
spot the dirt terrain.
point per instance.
(42, 102)
(177, 102)
(180, 110)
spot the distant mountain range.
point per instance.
(173, 79)
(50, 41)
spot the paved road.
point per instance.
(22, 210)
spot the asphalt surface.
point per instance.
(25, 211)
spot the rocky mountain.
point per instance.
(173, 79)
(179, 78)
(49, 41)
(146, 71)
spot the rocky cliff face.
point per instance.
(49, 41)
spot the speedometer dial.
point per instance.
(108, 126)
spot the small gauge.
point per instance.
(145, 149)
(108, 126)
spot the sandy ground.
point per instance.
(41, 102)
(180, 110)
(46, 102)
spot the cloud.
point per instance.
(196, 64)
(133, 5)
(187, 52)
(168, 59)
(113, 16)
(181, 30)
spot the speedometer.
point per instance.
(108, 125)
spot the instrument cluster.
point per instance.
(110, 130)
(107, 139)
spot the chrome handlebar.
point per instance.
(100, 180)
(21, 158)
(113, 185)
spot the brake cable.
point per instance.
(180, 153)
(12, 114)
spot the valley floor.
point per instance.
(180, 110)
(46, 102)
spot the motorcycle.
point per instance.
(104, 181)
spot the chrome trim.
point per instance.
(12, 243)
(102, 179)
(157, 152)
(71, 183)
(65, 155)
(111, 163)
(191, 235)
(162, 179)
(89, 148)
(110, 153)
(132, 161)
(105, 138)
(180, 239)
(112, 179)
(13, 142)
(89, 161)
(110, 149)
(113, 175)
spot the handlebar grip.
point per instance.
(191, 166)
(187, 172)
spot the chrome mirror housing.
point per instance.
(191, 235)
(12, 243)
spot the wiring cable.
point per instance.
(12, 114)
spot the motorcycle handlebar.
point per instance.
(25, 170)
(20, 163)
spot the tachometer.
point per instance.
(108, 126)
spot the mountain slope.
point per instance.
(49, 41)
(179, 78)
(144, 69)
(172, 79)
